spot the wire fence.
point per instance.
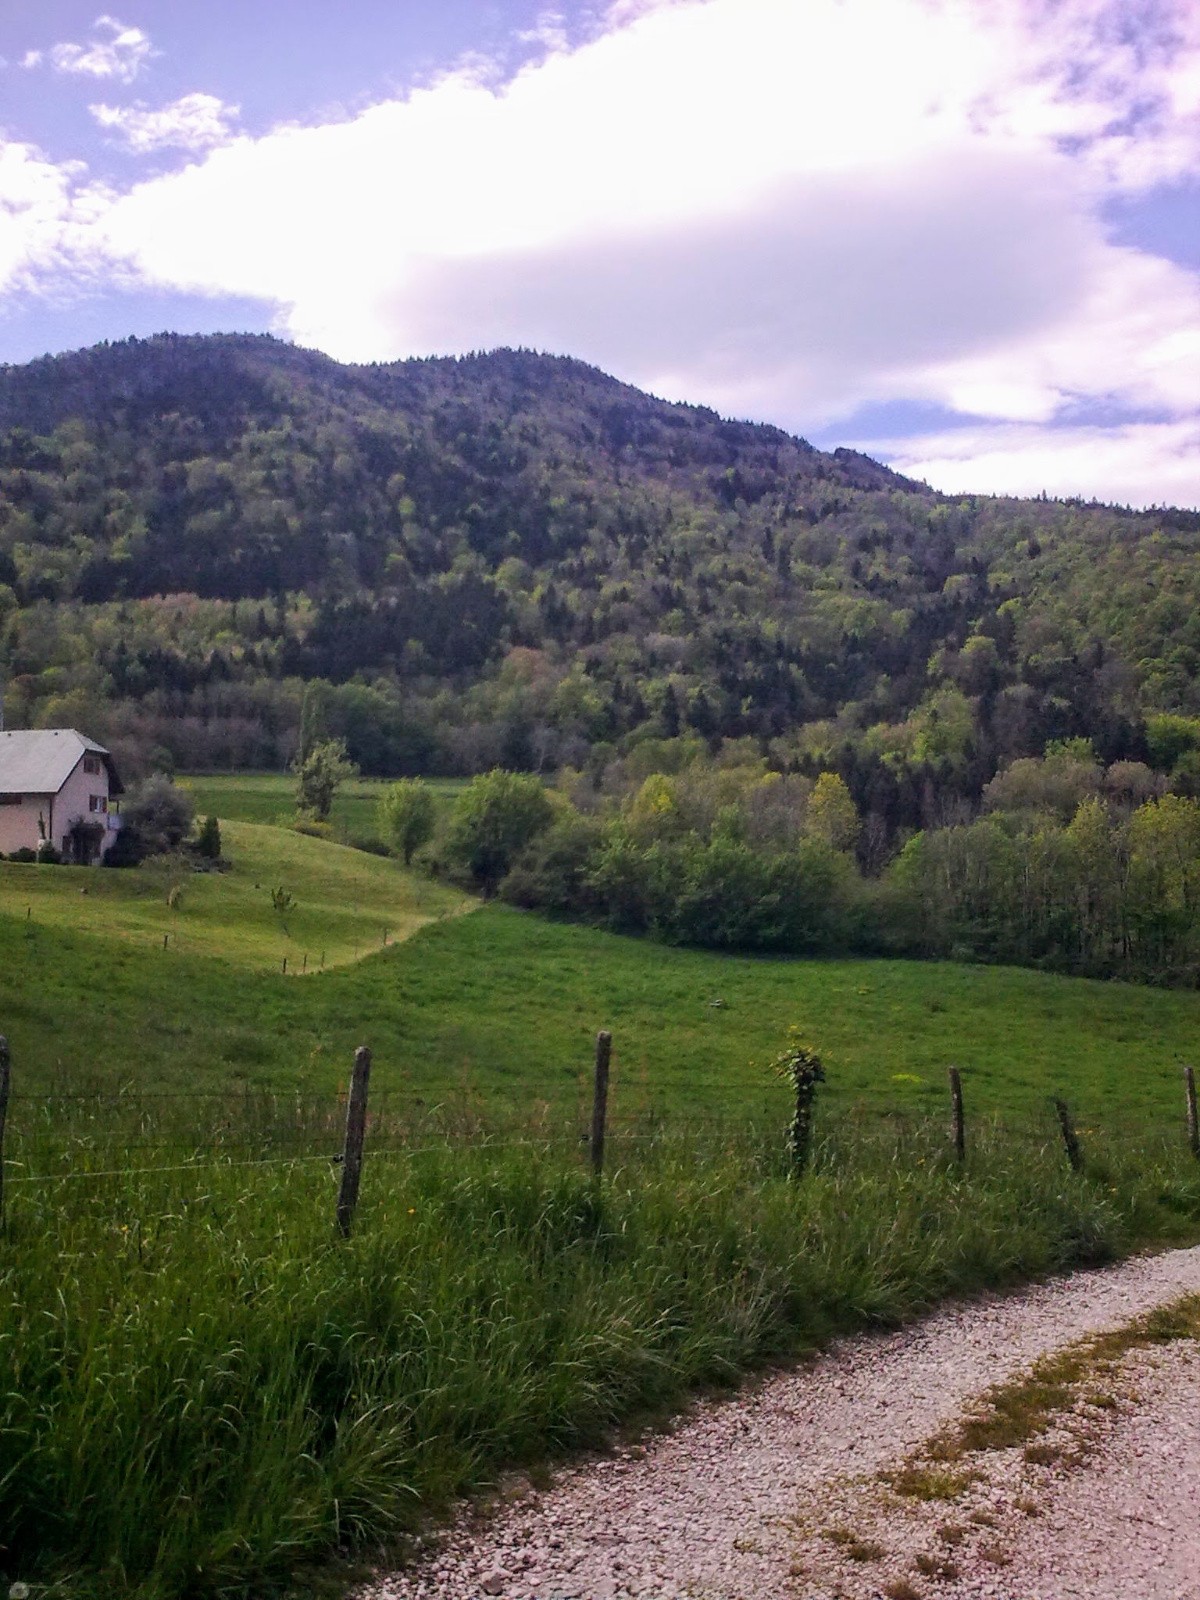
(64, 1136)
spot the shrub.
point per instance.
(312, 829)
(319, 775)
(157, 818)
(208, 844)
(494, 818)
(372, 846)
(551, 874)
(406, 815)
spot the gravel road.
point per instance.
(736, 1503)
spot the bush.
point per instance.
(157, 818)
(208, 844)
(406, 814)
(551, 875)
(319, 775)
(24, 855)
(47, 855)
(372, 846)
(495, 817)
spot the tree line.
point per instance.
(513, 560)
(1070, 865)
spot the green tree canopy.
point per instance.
(406, 815)
(494, 818)
(319, 774)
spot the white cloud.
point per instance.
(194, 122)
(114, 52)
(1137, 463)
(749, 202)
(782, 209)
(38, 202)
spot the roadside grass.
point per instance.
(207, 1390)
(345, 902)
(270, 797)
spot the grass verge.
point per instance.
(205, 1391)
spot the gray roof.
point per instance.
(40, 760)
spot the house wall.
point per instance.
(71, 804)
(19, 824)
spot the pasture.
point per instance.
(344, 902)
(268, 1395)
(270, 797)
(498, 1009)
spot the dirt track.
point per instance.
(760, 1497)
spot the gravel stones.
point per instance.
(718, 1508)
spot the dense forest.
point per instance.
(513, 560)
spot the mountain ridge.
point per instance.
(513, 556)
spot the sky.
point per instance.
(961, 235)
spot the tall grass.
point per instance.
(203, 1389)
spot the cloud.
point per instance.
(1136, 463)
(40, 202)
(195, 122)
(114, 52)
(782, 210)
(745, 201)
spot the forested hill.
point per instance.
(512, 557)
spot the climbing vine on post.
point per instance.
(800, 1064)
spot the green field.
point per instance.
(500, 1009)
(271, 797)
(208, 1390)
(346, 903)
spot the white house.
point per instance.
(58, 787)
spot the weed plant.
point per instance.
(204, 1390)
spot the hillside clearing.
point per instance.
(496, 1013)
(270, 797)
(346, 904)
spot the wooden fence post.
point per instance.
(352, 1153)
(1070, 1139)
(960, 1130)
(1189, 1081)
(600, 1099)
(5, 1076)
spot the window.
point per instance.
(97, 802)
(93, 765)
(11, 799)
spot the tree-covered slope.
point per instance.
(514, 557)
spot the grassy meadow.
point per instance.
(270, 797)
(499, 1009)
(346, 902)
(206, 1391)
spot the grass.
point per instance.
(346, 902)
(270, 797)
(497, 1012)
(207, 1390)
(1021, 1411)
